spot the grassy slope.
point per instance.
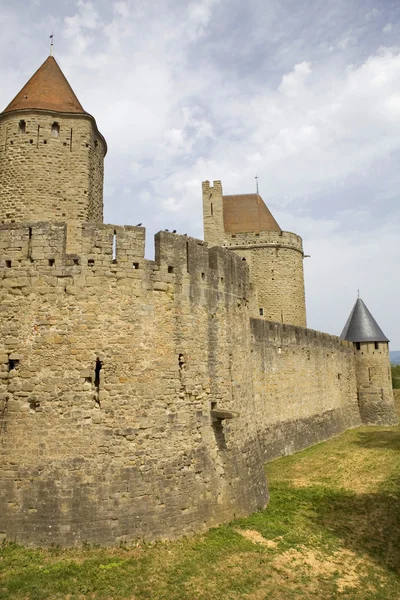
(332, 530)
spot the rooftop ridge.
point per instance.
(47, 89)
(247, 213)
(361, 326)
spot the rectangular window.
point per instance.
(261, 312)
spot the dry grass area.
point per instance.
(331, 530)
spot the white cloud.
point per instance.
(293, 83)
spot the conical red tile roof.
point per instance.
(47, 89)
(247, 213)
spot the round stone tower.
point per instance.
(244, 224)
(374, 379)
(51, 154)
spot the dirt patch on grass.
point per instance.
(256, 538)
(344, 565)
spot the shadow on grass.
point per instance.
(387, 440)
(367, 524)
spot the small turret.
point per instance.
(374, 380)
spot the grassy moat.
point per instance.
(331, 530)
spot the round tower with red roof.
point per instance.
(244, 223)
(51, 154)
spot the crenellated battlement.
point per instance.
(116, 252)
(282, 239)
(283, 334)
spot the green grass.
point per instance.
(396, 376)
(331, 530)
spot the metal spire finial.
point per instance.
(256, 178)
(51, 43)
(358, 293)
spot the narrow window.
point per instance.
(70, 141)
(358, 346)
(114, 247)
(51, 262)
(135, 265)
(376, 346)
(55, 130)
(90, 262)
(170, 269)
(212, 212)
(97, 370)
(261, 312)
(370, 374)
(22, 127)
(8, 264)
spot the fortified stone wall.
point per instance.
(276, 265)
(374, 381)
(116, 375)
(51, 168)
(304, 385)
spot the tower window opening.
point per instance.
(22, 127)
(358, 346)
(376, 346)
(114, 247)
(13, 364)
(212, 211)
(261, 310)
(55, 130)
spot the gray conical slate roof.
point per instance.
(361, 326)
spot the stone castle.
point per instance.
(140, 398)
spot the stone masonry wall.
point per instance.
(304, 384)
(50, 176)
(275, 260)
(111, 368)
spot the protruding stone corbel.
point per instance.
(221, 415)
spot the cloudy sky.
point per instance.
(306, 95)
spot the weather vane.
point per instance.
(51, 43)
